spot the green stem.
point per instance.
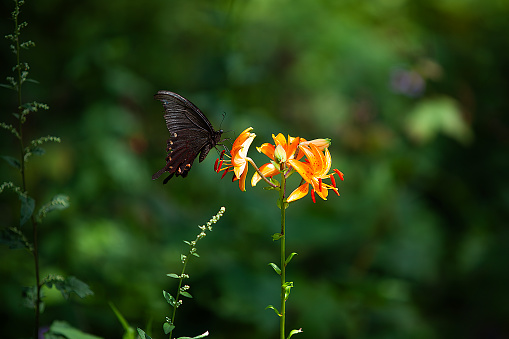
(283, 256)
(178, 293)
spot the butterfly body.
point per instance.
(191, 133)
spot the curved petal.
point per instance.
(242, 181)
(279, 140)
(268, 170)
(267, 149)
(243, 137)
(299, 192)
(294, 144)
(304, 169)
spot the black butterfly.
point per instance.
(190, 134)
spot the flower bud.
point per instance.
(280, 154)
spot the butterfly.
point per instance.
(190, 133)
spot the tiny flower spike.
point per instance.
(238, 158)
(313, 171)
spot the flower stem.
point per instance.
(178, 293)
(261, 174)
(283, 256)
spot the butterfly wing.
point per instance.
(190, 133)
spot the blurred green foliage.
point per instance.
(413, 95)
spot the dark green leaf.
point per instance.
(12, 161)
(169, 298)
(167, 328)
(142, 334)
(14, 238)
(27, 208)
(69, 332)
(29, 296)
(68, 285)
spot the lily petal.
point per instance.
(299, 192)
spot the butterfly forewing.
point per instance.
(190, 133)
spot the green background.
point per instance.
(413, 94)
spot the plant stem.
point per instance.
(283, 256)
(35, 251)
(178, 293)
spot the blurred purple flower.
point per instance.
(409, 83)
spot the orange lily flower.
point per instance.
(313, 171)
(238, 159)
(285, 151)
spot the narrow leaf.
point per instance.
(294, 332)
(14, 238)
(173, 275)
(275, 267)
(290, 258)
(186, 294)
(169, 298)
(12, 161)
(273, 308)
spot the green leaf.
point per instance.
(27, 208)
(273, 308)
(275, 267)
(290, 257)
(196, 254)
(69, 332)
(30, 297)
(68, 285)
(168, 327)
(169, 298)
(129, 332)
(197, 337)
(186, 294)
(142, 334)
(14, 238)
(12, 161)
(173, 275)
(276, 236)
(287, 286)
(294, 332)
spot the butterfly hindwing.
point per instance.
(190, 133)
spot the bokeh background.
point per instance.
(413, 94)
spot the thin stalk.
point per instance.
(35, 251)
(178, 293)
(283, 256)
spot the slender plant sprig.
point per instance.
(13, 236)
(183, 290)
